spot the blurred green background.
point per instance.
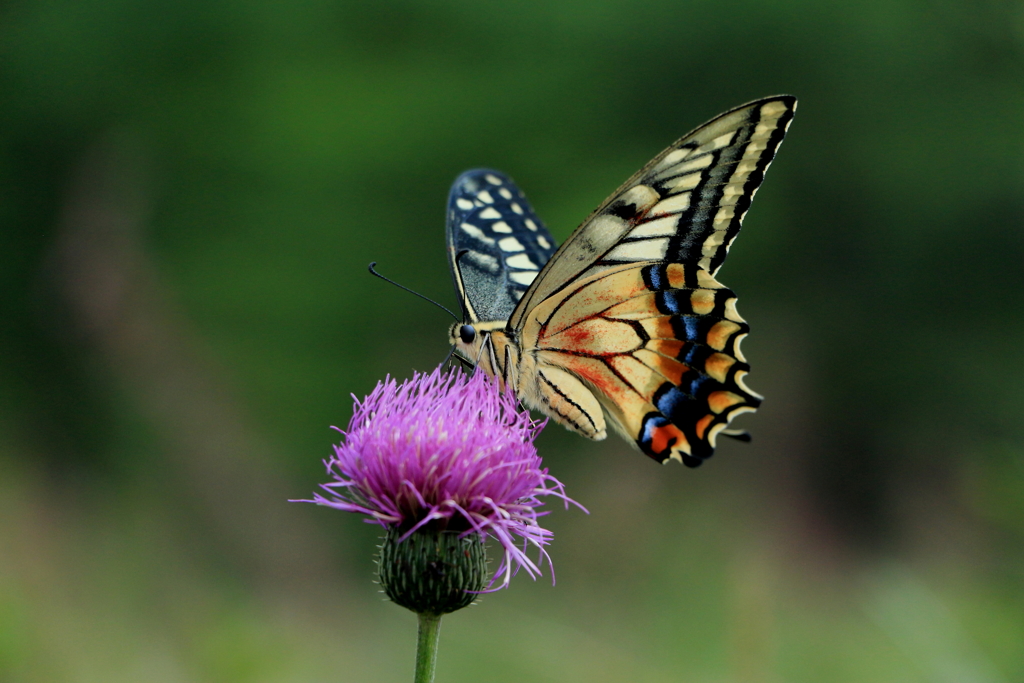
(191, 192)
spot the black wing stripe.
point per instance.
(554, 388)
(705, 193)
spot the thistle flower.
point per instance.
(445, 452)
(442, 462)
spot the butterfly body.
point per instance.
(625, 324)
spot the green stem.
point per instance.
(426, 647)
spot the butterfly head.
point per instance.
(481, 344)
(468, 342)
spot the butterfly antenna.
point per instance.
(386, 279)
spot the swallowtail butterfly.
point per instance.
(624, 324)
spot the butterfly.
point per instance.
(625, 324)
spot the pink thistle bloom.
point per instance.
(451, 451)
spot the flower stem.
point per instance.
(426, 647)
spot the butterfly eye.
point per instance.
(467, 333)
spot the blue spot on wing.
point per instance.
(655, 277)
(671, 401)
(689, 326)
(690, 355)
(680, 403)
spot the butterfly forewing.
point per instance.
(496, 243)
(684, 206)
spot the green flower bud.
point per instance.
(432, 572)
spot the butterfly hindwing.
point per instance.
(496, 243)
(659, 346)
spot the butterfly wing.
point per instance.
(657, 346)
(496, 244)
(685, 206)
(630, 306)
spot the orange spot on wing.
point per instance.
(717, 365)
(659, 328)
(702, 301)
(665, 437)
(666, 347)
(722, 400)
(718, 335)
(676, 276)
(702, 425)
